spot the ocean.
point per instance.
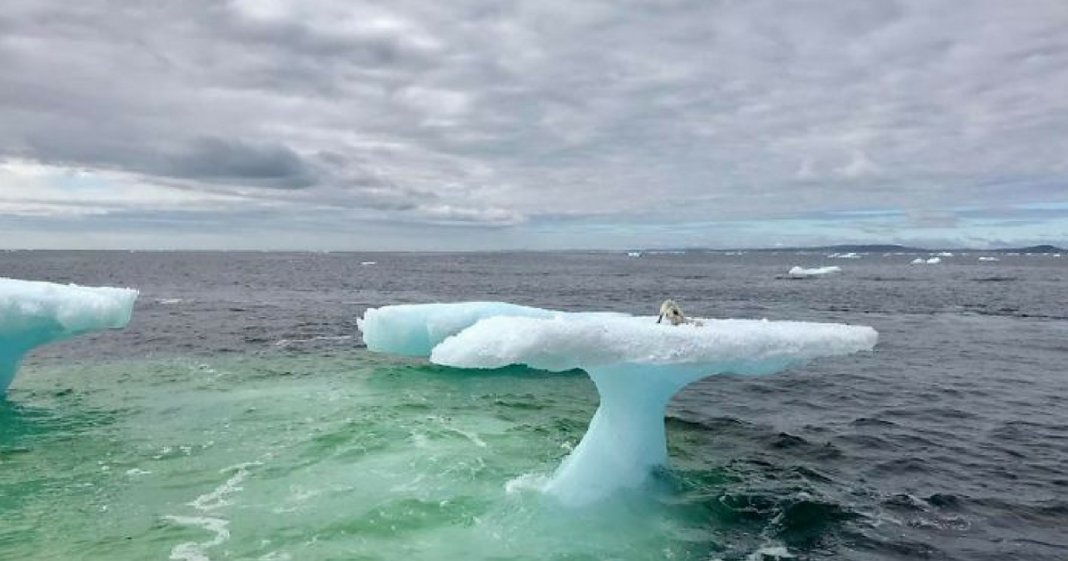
(240, 417)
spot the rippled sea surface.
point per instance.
(240, 417)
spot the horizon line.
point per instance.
(856, 247)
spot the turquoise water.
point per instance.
(345, 456)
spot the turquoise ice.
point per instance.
(636, 364)
(35, 313)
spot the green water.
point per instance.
(314, 457)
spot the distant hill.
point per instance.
(1046, 248)
(871, 248)
(894, 248)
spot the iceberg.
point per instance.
(636, 364)
(35, 313)
(800, 272)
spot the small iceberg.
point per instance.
(988, 258)
(636, 364)
(849, 255)
(35, 313)
(634, 254)
(922, 261)
(944, 254)
(367, 263)
(802, 273)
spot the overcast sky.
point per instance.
(429, 124)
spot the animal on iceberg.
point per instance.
(800, 272)
(34, 313)
(636, 364)
(671, 310)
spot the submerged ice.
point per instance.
(35, 313)
(636, 364)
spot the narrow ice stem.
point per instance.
(11, 354)
(626, 439)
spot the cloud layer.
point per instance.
(415, 124)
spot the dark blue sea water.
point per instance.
(950, 441)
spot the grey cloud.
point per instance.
(233, 161)
(361, 45)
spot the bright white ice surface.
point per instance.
(34, 313)
(636, 364)
(563, 342)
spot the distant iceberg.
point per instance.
(922, 261)
(988, 258)
(799, 272)
(35, 313)
(635, 363)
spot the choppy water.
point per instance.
(238, 416)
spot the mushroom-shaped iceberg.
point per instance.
(636, 364)
(34, 313)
